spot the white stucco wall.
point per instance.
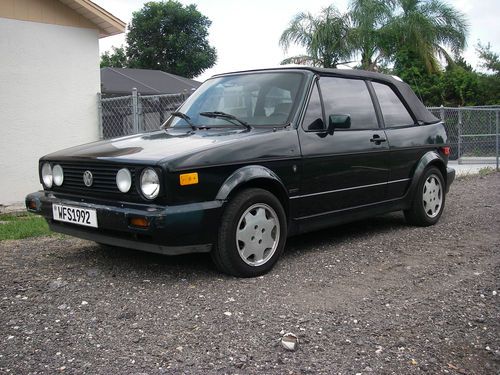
(49, 80)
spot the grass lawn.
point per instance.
(17, 226)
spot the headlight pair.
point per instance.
(149, 183)
(52, 175)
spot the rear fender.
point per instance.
(428, 159)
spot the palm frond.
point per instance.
(299, 60)
(324, 37)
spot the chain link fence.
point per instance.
(473, 132)
(135, 113)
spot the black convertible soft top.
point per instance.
(420, 112)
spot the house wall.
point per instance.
(45, 11)
(49, 80)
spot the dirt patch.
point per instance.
(373, 296)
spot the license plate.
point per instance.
(75, 215)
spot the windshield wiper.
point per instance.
(226, 116)
(185, 118)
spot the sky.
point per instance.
(246, 33)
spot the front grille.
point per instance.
(104, 179)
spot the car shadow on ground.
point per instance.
(121, 260)
(336, 235)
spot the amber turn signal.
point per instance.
(139, 222)
(32, 205)
(188, 178)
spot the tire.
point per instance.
(252, 234)
(429, 199)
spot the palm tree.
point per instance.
(426, 28)
(369, 20)
(325, 38)
(413, 31)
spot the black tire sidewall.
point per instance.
(228, 256)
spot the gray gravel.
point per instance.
(375, 296)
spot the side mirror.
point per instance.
(338, 121)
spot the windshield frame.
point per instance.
(177, 123)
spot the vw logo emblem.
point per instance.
(88, 179)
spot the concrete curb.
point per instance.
(12, 208)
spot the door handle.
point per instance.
(377, 139)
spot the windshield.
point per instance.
(255, 99)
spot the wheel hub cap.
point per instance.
(432, 198)
(257, 234)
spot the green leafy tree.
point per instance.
(460, 85)
(457, 85)
(171, 37)
(117, 58)
(325, 38)
(490, 59)
(489, 89)
(489, 83)
(427, 28)
(426, 85)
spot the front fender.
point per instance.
(246, 174)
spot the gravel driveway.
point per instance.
(375, 296)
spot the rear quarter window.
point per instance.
(393, 110)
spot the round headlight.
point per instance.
(123, 180)
(47, 175)
(58, 175)
(150, 183)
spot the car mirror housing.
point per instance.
(338, 121)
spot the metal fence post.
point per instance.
(459, 144)
(135, 112)
(496, 136)
(99, 115)
(441, 112)
(140, 115)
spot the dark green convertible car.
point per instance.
(250, 159)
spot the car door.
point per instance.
(346, 167)
(407, 139)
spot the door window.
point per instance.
(351, 97)
(313, 119)
(393, 110)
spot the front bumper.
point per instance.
(450, 177)
(172, 230)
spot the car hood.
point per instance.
(154, 147)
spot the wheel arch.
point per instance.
(254, 176)
(430, 158)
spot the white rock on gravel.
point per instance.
(290, 342)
